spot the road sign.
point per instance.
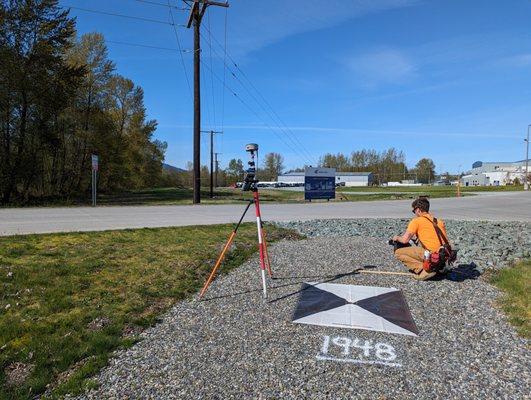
(319, 183)
(95, 162)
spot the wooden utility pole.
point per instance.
(217, 169)
(211, 160)
(196, 16)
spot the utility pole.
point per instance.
(211, 160)
(217, 169)
(196, 16)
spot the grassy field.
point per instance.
(180, 196)
(432, 189)
(69, 300)
(516, 301)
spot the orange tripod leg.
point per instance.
(218, 263)
(266, 253)
(223, 252)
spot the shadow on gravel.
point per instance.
(296, 279)
(460, 273)
(329, 278)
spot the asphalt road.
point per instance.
(502, 206)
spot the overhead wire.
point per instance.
(180, 52)
(293, 137)
(156, 21)
(304, 157)
(155, 3)
(206, 106)
(253, 111)
(225, 55)
(211, 76)
(224, 77)
(147, 46)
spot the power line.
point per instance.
(211, 76)
(163, 5)
(224, 75)
(290, 135)
(147, 46)
(293, 137)
(180, 52)
(252, 110)
(206, 105)
(156, 21)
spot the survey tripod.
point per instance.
(250, 184)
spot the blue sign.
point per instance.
(319, 183)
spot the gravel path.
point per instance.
(484, 243)
(235, 345)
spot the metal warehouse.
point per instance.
(494, 173)
(346, 178)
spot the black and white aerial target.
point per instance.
(357, 307)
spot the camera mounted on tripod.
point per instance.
(250, 182)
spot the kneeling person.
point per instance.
(422, 228)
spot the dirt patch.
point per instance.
(97, 324)
(17, 373)
(131, 331)
(158, 306)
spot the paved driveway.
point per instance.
(504, 206)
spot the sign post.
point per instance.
(95, 166)
(319, 183)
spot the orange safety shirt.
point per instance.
(425, 231)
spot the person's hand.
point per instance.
(395, 238)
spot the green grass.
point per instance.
(225, 195)
(433, 190)
(55, 286)
(516, 301)
(180, 196)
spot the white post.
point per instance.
(262, 267)
(526, 182)
(94, 187)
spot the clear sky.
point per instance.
(446, 79)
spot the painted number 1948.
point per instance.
(344, 349)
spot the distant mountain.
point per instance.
(171, 168)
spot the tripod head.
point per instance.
(250, 182)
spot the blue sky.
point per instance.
(445, 79)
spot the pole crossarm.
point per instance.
(199, 15)
(212, 3)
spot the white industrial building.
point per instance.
(494, 173)
(342, 178)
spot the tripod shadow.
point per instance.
(279, 278)
(329, 278)
(297, 279)
(460, 273)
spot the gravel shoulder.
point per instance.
(235, 345)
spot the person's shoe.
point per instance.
(423, 276)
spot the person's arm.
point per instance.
(405, 238)
(409, 233)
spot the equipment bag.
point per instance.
(445, 255)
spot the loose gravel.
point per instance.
(486, 244)
(236, 345)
